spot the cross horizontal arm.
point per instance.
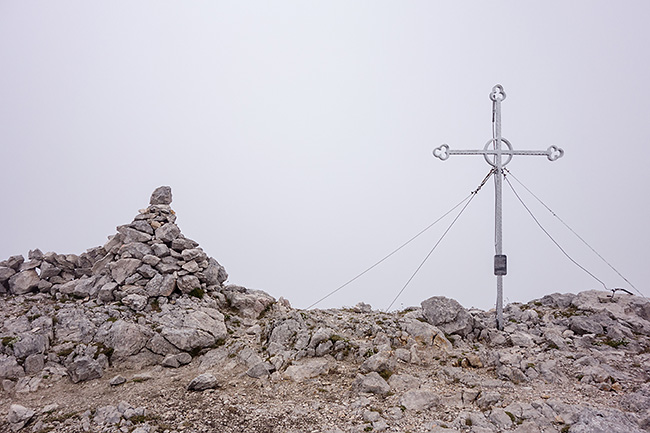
(498, 152)
(552, 153)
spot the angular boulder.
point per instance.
(308, 369)
(249, 303)
(127, 339)
(84, 368)
(18, 416)
(202, 382)
(372, 383)
(24, 282)
(447, 315)
(161, 195)
(419, 399)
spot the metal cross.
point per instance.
(493, 154)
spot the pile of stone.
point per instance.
(151, 298)
(145, 259)
(106, 418)
(148, 296)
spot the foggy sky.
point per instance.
(297, 138)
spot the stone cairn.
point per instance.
(149, 296)
(145, 259)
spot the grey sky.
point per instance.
(297, 137)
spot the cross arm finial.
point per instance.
(497, 94)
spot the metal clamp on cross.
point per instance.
(493, 152)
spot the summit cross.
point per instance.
(493, 152)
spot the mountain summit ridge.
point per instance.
(144, 335)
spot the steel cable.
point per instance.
(551, 237)
(469, 197)
(575, 233)
(390, 254)
(432, 249)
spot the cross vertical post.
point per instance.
(497, 96)
(493, 152)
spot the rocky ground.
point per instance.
(143, 335)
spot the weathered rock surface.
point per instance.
(202, 382)
(447, 314)
(150, 310)
(161, 195)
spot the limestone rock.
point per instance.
(175, 361)
(373, 383)
(422, 332)
(202, 382)
(135, 302)
(124, 268)
(6, 273)
(23, 282)
(308, 369)
(84, 368)
(196, 329)
(584, 325)
(249, 303)
(18, 416)
(379, 362)
(127, 339)
(161, 195)
(14, 262)
(448, 315)
(419, 399)
(604, 420)
(29, 343)
(9, 368)
(187, 283)
(215, 274)
(117, 380)
(261, 369)
(168, 232)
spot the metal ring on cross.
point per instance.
(493, 162)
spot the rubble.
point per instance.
(148, 318)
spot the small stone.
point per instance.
(84, 368)
(419, 399)
(124, 268)
(474, 360)
(187, 283)
(141, 377)
(161, 195)
(182, 243)
(184, 358)
(147, 271)
(167, 233)
(151, 260)
(24, 282)
(14, 262)
(261, 369)
(170, 361)
(202, 382)
(135, 302)
(6, 273)
(35, 254)
(117, 380)
(191, 267)
(160, 250)
(373, 383)
(34, 363)
(19, 416)
(448, 315)
(371, 416)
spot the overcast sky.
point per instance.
(297, 138)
